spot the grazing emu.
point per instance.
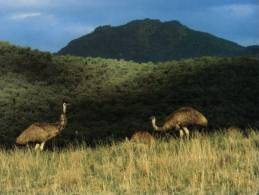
(142, 136)
(180, 119)
(41, 132)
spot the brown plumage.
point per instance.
(181, 119)
(41, 132)
(142, 136)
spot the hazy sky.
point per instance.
(50, 24)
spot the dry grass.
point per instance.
(215, 164)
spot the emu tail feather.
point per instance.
(21, 140)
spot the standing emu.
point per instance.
(41, 132)
(180, 119)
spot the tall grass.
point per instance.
(206, 164)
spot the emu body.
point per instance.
(42, 132)
(142, 136)
(181, 119)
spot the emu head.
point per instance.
(152, 118)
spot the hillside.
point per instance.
(152, 40)
(116, 97)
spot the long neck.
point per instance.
(63, 121)
(64, 108)
(155, 126)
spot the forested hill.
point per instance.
(152, 40)
(117, 97)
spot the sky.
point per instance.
(49, 25)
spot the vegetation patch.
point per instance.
(111, 98)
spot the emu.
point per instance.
(181, 119)
(42, 132)
(142, 136)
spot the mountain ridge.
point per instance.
(151, 40)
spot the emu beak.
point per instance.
(67, 104)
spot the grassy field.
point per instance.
(220, 163)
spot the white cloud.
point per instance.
(21, 4)
(23, 16)
(237, 10)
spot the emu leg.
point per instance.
(186, 131)
(42, 146)
(178, 127)
(37, 146)
(181, 133)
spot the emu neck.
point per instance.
(155, 126)
(64, 108)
